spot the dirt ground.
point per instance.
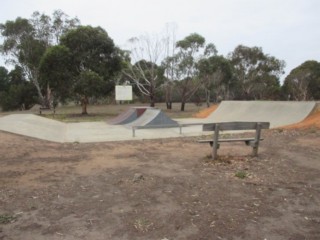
(160, 189)
(206, 112)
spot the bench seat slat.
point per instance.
(229, 140)
(235, 126)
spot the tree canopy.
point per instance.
(26, 40)
(57, 59)
(216, 74)
(190, 51)
(15, 91)
(257, 73)
(85, 63)
(303, 82)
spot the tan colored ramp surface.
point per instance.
(151, 117)
(34, 126)
(278, 113)
(51, 130)
(128, 116)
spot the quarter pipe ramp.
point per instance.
(278, 113)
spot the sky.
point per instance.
(288, 29)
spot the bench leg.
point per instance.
(255, 146)
(255, 151)
(215, 143)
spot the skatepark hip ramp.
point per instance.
(153, 117)
(278, 113)
(128, 116)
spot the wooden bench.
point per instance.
(235, 126)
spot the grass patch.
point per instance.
(5, 219)
(241, 174)
(142, 224)
(105, 112)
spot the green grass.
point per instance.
(5, 219)
(241, 174)
(72, 113)
(142, 224)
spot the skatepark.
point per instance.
(152, 123)
(82, 181)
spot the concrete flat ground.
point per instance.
(55, 131)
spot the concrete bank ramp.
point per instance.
(152, 117)
(55, 131)
(128, 116)
(278, 113)
(34, 126)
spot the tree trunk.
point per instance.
(169, 97)
(183, 103)
(152, 103)
(35, 82)
(41, 97)
(84, 103)
(208, 97)
(169, 105)
(48, 98)
(183, 98)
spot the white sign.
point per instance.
(123, 93)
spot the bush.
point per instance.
(19, 97)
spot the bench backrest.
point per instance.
(235, 126)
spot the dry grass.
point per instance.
(72, 113)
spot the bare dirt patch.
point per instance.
(312, 121)
(90, 191)
(206, 112)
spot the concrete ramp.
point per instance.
(34, 126)
(278, 113)
(128, 116)
(152, 117)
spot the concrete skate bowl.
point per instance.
(128, 116)
(153, 117)
(278, 113)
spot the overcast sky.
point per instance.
(286, 29)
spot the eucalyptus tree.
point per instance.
(257, 73)
(184, 65)
(90, 62)
(4, 79)
(217, 77)
(146, 52)
(26, 40)
(303, 82)
(57, 73)
(168, 63)
(171, 76)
